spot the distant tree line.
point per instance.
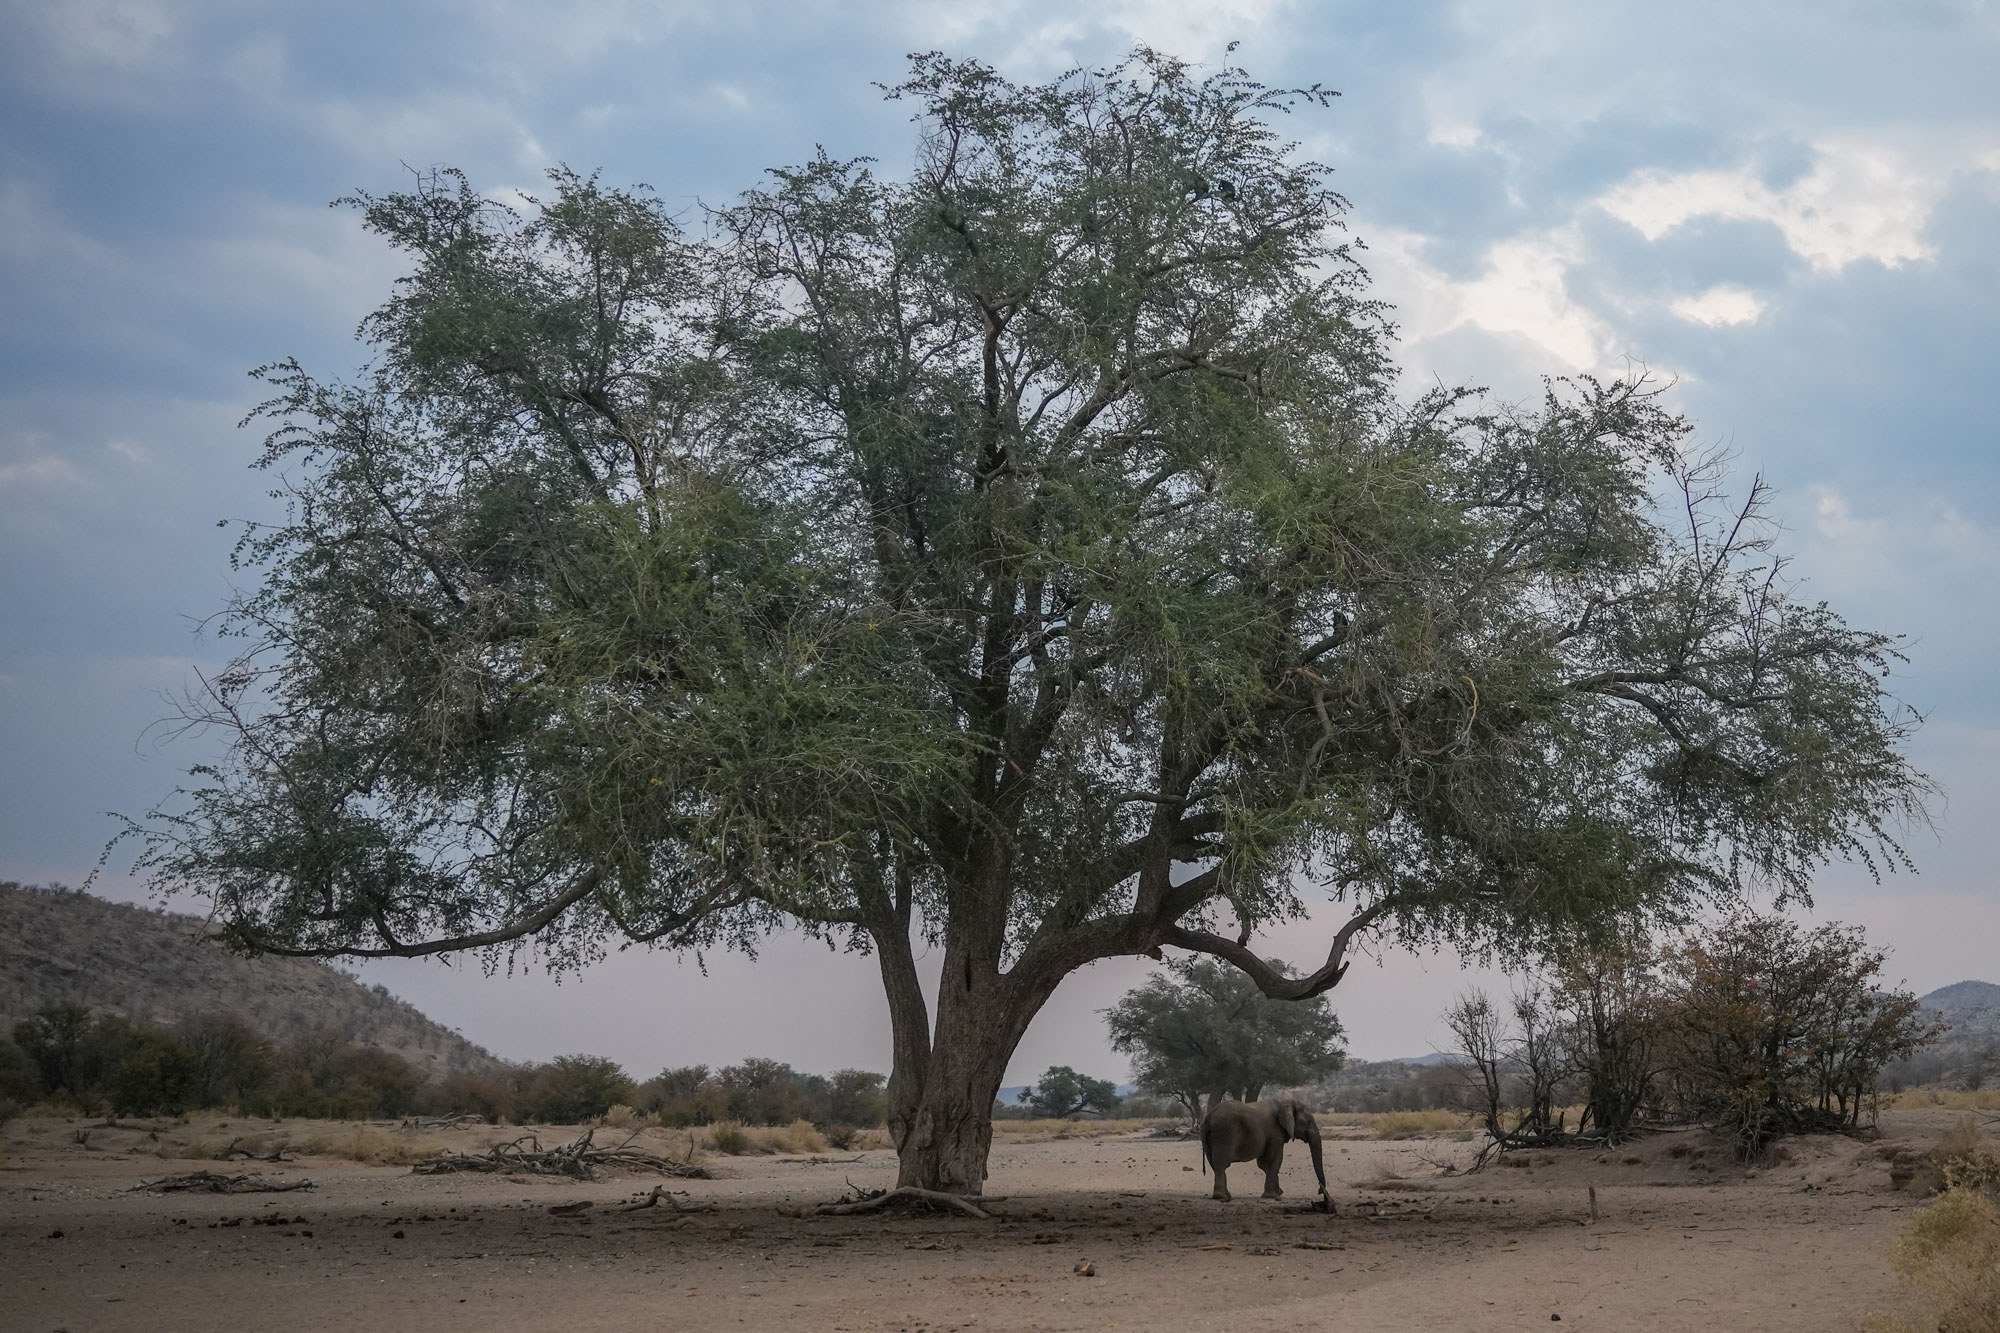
(94, 1063)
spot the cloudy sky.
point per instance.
(1790, 210)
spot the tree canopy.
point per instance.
(1202, 1028)
(1027, 556)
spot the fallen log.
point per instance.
(578, 1161)
(214, 1182)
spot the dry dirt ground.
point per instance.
(1683, 1240)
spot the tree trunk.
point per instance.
(951, 1127)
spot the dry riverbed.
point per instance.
(1682, 1239)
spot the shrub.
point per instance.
(1776, 1030)
(801, 1136)
(729, 1136)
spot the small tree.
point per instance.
(574, 1088)
(1064, 1092)
(1609, 996)
(1202, 1028)
(1475, 1027)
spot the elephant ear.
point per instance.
(1287, 1115)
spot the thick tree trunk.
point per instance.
(951, 1130)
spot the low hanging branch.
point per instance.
(578, 1160)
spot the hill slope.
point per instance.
(1969, 1006)
(154, 967)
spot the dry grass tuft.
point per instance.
(801, 1136)
(368, 1145)
(624, 1117)
(1950, 1261)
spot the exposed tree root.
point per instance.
(213, 1182)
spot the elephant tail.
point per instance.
(1204, 1148)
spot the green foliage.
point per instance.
(1202, 1027)
(574, 1088)
(1064, 1092)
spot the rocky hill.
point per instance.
(1969, 1006)
(154, 966)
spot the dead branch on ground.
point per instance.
(969, 1205)
(578, 1160)
(214, 1182)
(415, 1123)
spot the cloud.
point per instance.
(41, 470)
(1860, 201)
(1719, 307)
(1520, 293)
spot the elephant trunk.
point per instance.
(1319, 1162)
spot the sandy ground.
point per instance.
(1683, 1240)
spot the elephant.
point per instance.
(1257, 1132)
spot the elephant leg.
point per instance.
(1271, 1162)
(1221, 1182)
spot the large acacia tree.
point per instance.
(1025, 559)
